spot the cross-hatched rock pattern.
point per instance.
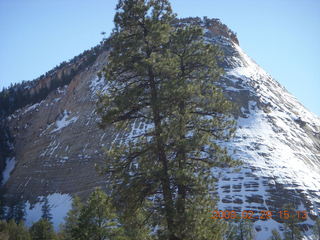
(57, 142)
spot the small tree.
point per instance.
(316, 229)
(2, 206)
(13, 231)
(46, 210)
(16, 211)
(241, 229)
(292, 229)
(72, 219)
(275, 235)
(19, 211)
(97, 219)
(42, 230)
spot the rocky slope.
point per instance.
(57, 141)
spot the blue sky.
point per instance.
(282, 36)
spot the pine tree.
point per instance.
(137, 224)
(194, 124)
(292, 230)
(141, 30)
(275, 235)
(16, 211)
(165, 77)
(72, 219)
(13, 231)
(19, 211)
(42, 230)
(2, 207)
(241, 229)
(3, 230)
(316, 229)
(46, 208)
(98, 220)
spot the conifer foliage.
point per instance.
(275, 235)
(316, 229)
(292, 229)
(164, 76)
(46, 214)
(72, 219)
(11, 230)
(42, 230)
(96, 219)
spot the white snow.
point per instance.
(266, 229)
(56, 99)
(275, 131)
(53, 146)
(63, 159)
(10, 163)
(65, 121)
(60, 204)
(32, 107)
(137, 129)
(62, 90)
(271, 144)
(97, 85)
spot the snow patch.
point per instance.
(98, 85)
(10, 163)
(266, 229)
(60, 205)
(31, 108)
(64, 122)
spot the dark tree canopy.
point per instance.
(165, 78)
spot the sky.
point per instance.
(282, 36)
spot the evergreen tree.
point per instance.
(2, 207)
(292, 230)
(165, 77)
(72, 219)
(137, 224)
(316, 229)
(16, 211)
(275, 235)
(46, 208)
(42, 230)
(98, 220)
(3, 230)
(141, 29)
(240, 230)
(13, 231)
(19, 211)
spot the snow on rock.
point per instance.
(64, 122)
(273, 142)
(60, 205)
(97, 85)
(10, 163)
(283, 160)
(63, 159)
(265, 229)
(62, 90)
(31, 108)
(283, 145)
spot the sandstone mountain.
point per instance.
(54, 144)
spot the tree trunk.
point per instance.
(181, 155)
(181, 151)
(165, 182)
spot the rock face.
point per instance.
(57, 142)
